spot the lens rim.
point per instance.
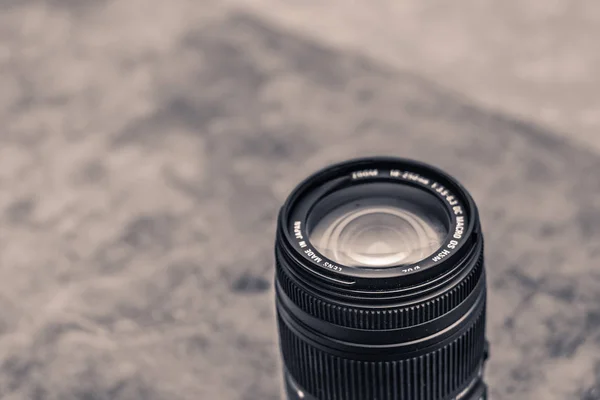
(295, 212)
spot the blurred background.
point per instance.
(145, 147)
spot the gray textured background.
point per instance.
(145, 147)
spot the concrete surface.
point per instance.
(536, 59)
(145, 149)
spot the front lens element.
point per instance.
(385, 225)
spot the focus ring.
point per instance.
(440, 374)
(372, 319)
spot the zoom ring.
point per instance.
(440, 374)
(392, 318)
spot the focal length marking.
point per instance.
(440, 189)
(409, 176)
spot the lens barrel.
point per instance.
(380, 285)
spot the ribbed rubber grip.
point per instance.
(441, 374)
(391, 318)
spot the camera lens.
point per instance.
(380, 285)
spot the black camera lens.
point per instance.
(380, 285)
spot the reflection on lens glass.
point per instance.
(378, 232)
